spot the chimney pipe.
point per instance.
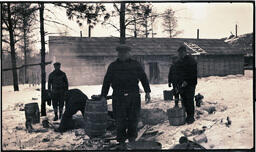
(197, 33)
(81, 34)
(89, 32)
(236, 30)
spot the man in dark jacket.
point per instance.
(75, 101)
(123, 75)
(174, 79)
(187, 67)
(57, 85)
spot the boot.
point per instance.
(56, 114)
(190, 120)
(121, 146)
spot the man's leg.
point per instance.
(61, 104)
(133, 116)
(55, 106)
(188, 97)
(114, 101)
(121, 118)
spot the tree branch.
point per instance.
(58, 23)
(16, 41)
(8, 69)
(113, 26)
(138, 19)
(5, 41)
(6, 23)
(116, 7)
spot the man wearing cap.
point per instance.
(187, 68)
(123, 76)
(57, 85)
(174, 79)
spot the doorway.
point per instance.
(154, 73)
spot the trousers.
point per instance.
(58, 99)
(127, 111)
(187, 96)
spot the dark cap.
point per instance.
(123, 47)
(182, 48)
(57, 64)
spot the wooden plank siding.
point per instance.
(85, 60)
(90, 70)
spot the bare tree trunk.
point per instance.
(89, 31)
(13, 54)
(152, 22)
(43, 75)
(135, 27)
(170, 30)
(25, 55)
(146, 22)
(122, 23)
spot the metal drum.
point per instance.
(95, 115)
(32, 113)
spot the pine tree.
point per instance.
(170, 23)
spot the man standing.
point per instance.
(174, 79)
(187, 67)
(57, 85)
(123, 75)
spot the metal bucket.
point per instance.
(168, 95)
(144, 145)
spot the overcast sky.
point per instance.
(215, 20)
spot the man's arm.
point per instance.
(107, 82)
(170, 77)
(143, 78)
(66, 81)
(50, 83)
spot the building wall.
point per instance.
(83, 70)
(220, 65)
(163, 63)
(91, 70)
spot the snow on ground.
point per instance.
(232, 97)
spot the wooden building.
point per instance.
(85, 60)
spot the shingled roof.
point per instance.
(105, 46)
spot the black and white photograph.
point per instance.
(128, 75)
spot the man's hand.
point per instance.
(170, 85)
(184, 84)
(147, 97)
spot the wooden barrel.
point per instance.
(168, 95)
(95, 115)
(32, 112)
(176, 116)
